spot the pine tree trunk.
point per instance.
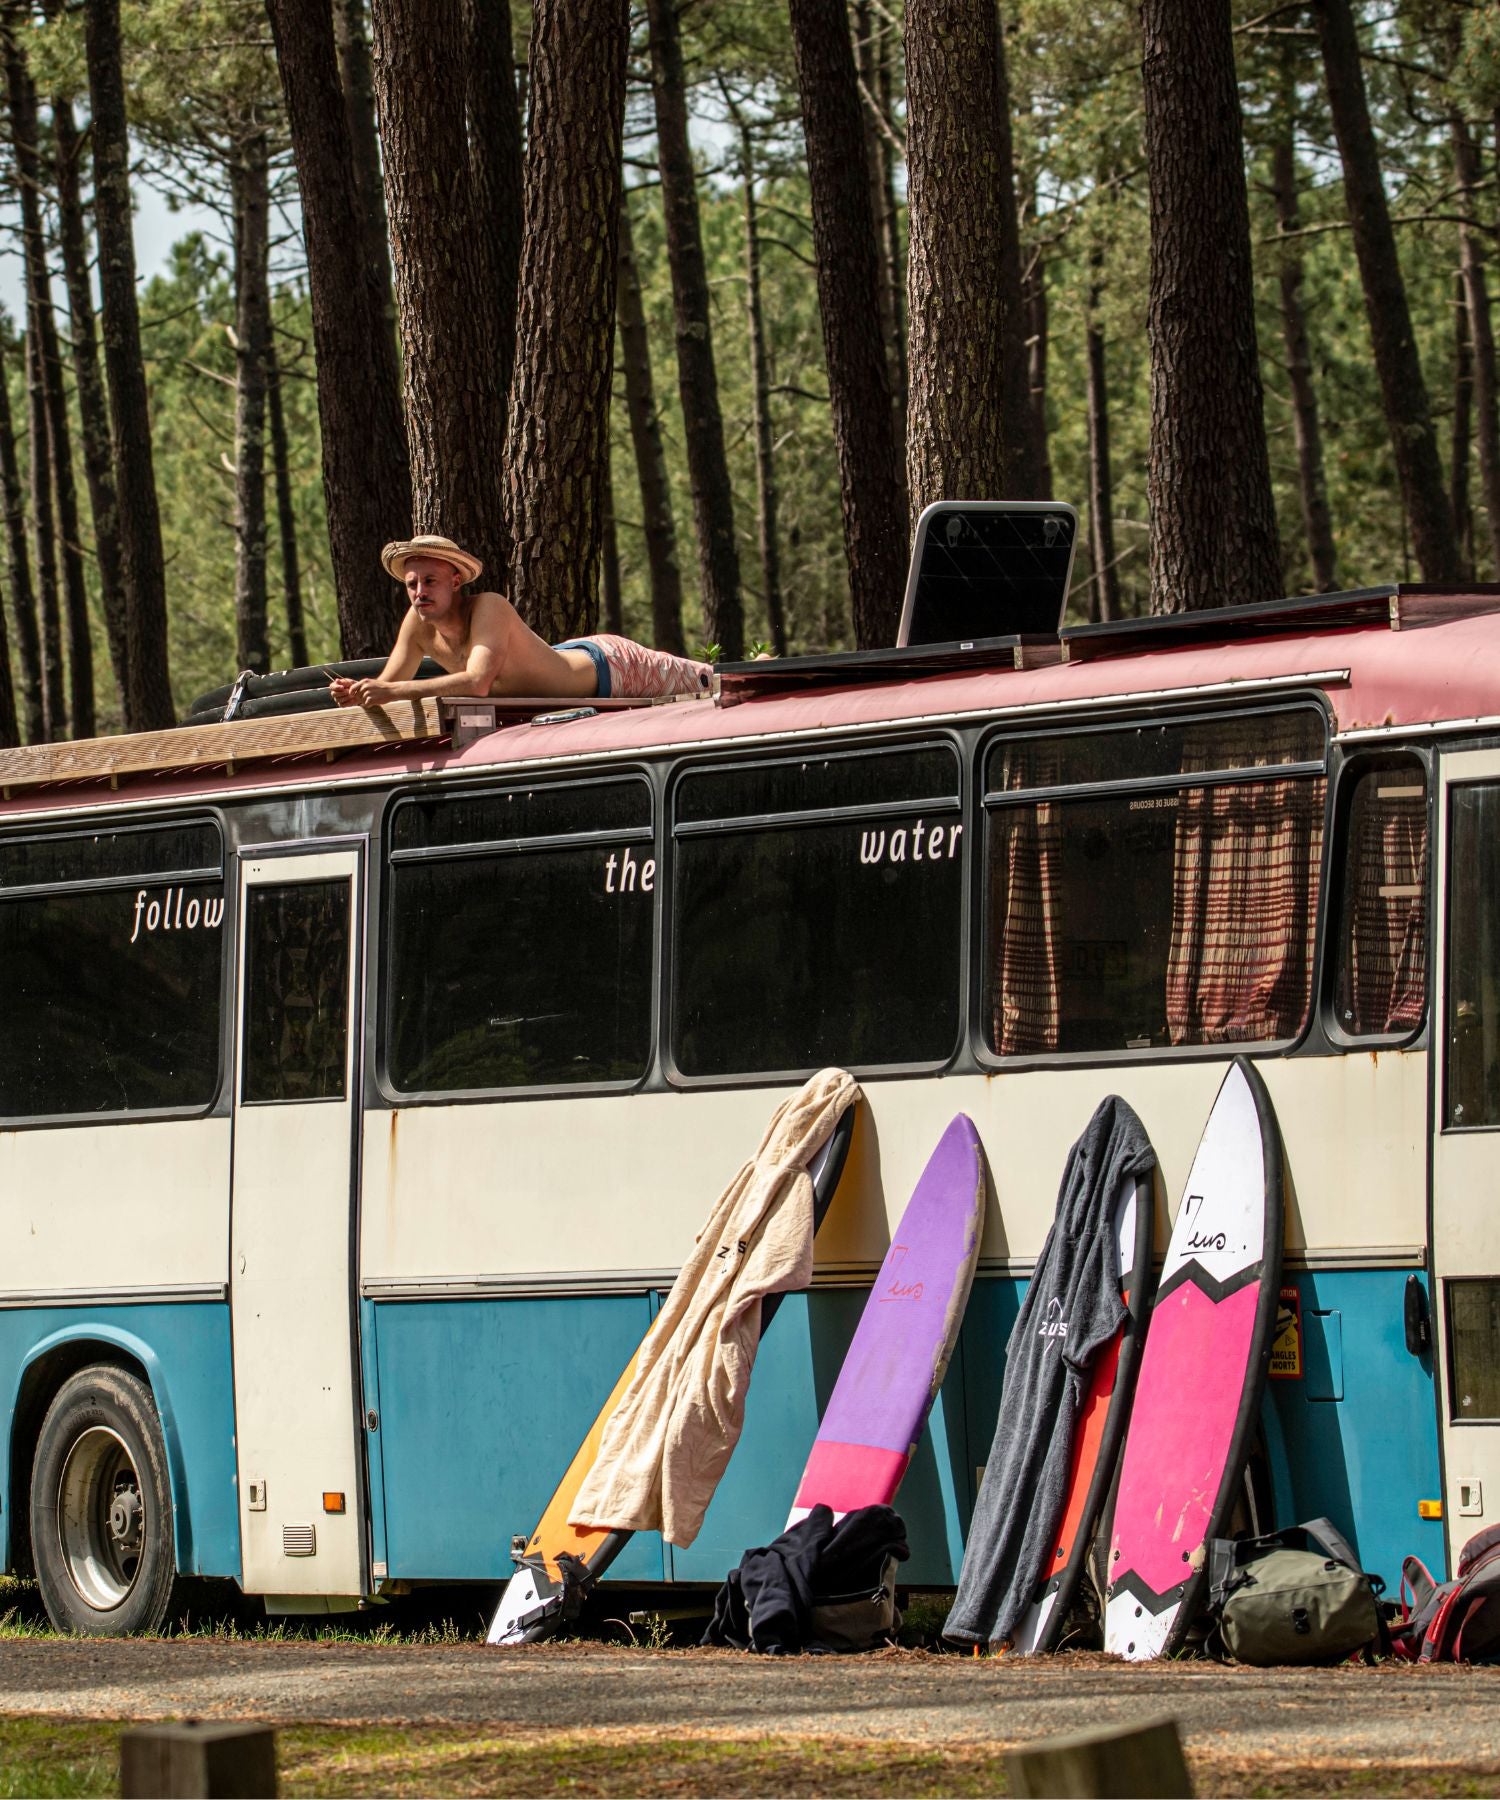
(351, 37)
(1462, 430)
(1481, 336)
(611, 601)
(760, 402)
(1312, 484)
(1023, 455)
(44, 538)
(650, 457)
(496, 173)
(871, 489)
(79, 631)
(1034, 292)
(18, 576)
(249, 180)
(558, 445)
(697, 380)
(1106, 583)
(10, 730)
(872, 54)
(89, 384)
(1408, 415)
(1213, 520)
(955, 447)
(366, 476)
(149, 701)
(286, 518)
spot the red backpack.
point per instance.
(1452, 1621)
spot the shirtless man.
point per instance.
(488, 648)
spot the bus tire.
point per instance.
(101, 1507)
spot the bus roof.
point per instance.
(1396, 658)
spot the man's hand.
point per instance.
(368, 692)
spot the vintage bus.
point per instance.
(361, 1086)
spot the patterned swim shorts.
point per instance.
(629, 671)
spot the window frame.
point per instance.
(589, 776)
(991, 1061)
(196, 814)
(953, 740)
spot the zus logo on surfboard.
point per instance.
(896, 1288)
(1196, 1239)
(1053, 1325)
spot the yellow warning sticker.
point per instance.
(1286, 1346)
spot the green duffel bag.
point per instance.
(1296, 1596)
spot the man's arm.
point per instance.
(487, 626)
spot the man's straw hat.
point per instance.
(395, 556)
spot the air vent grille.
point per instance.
(299, 1540)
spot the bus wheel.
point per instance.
(101, 1507)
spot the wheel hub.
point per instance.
(101, 1518)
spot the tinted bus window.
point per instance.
(296, 1034)
(1381, 981)
(1178, 913)
(112, 994)
(1472, 979)
(829, 940)
(523, 965)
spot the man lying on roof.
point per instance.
(488, 648)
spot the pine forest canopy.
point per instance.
(710, 299)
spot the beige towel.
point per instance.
(670, 1438)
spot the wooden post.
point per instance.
(1146, 1759)
(198, 1760)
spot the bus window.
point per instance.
(1474, 1349)
(520, 938)
(1380, 983)
(111, 961)
(296, 991)
(1153, 885)
(817, 913)
(1472, 983)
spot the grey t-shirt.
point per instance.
(1072, 1308)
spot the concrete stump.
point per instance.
(1103, 1765)
(198, 1761)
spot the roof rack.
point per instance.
(741, 680)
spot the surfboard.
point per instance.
(1100, 1428)
(899, 1353)
(530, 1607)
(1202, 1374)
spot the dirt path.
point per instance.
(1393, 1717)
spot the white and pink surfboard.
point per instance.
(1202, 1374)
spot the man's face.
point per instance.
(431, 586)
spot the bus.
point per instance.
(362, 1086)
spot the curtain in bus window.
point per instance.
(1025, 847)
(1383, 983)
(1244, 899)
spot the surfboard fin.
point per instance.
(533, 1606)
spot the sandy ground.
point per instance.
(1393, 1716)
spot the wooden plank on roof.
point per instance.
(245, 740)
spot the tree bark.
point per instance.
(611, 601)
(1213, 521)
(10, 730)
(1462, 429)
(697, 380)
(18, 577)
(1481, 336)
(955, 447)
(249, 180)
(760, 402)
(286, 518)
(496, 174)
(650, 457)
(1408, 415)
(79, 632)
(449, 312)
(88, 382)
(44, 537)
(357, 83)
(872, 55)
(1312, 484)
(1034, 293)
(555, 455)
(366, 475)
(1023, 454)
(1106, 583)
(148, 704)
(871, 489)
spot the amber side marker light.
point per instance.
(333, 1503)
(1429, 1509)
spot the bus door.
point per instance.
(1466, 1148)
(296, 1101)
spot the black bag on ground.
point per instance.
(1294, 1596)
(821, 1586)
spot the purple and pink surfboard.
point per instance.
(1203, 1372)
(899, 1355)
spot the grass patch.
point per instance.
(47, 1757)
